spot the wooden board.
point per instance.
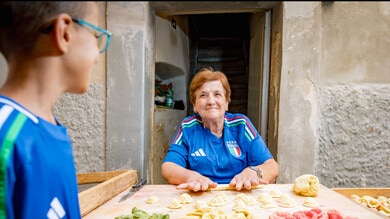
(101, 193)
(373, 192)
(97, 177)
(327, 199)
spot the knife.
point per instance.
(133, 189)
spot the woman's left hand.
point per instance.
(246, 179)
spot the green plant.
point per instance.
(163, 89)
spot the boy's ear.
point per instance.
(62, 32)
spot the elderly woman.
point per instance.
(214, 146)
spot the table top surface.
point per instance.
(326, 198)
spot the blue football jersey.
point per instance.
(195, 147)
(37, 175)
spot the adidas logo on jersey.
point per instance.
(199, 153)
(56, 210)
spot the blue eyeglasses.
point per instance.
(102, 35)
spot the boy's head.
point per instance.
(46, 37)
(22, 22)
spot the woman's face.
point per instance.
(211, 101)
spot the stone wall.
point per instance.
(354, 136)
(83, 115)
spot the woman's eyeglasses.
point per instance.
(102, 35)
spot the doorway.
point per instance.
(236, 43)
(241, 20)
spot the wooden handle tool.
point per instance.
(223, 187)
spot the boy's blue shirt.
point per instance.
(37, 172)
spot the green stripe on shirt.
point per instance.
(5, 152)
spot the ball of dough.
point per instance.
(306, 185)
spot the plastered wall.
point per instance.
(354, 89)
(334, 93)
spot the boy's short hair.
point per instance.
(22, 22)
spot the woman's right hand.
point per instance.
(185, 178)
(199, 184)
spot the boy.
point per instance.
(50, 48)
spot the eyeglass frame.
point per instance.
(102, 31)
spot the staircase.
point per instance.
(222, 42)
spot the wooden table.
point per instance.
(327, 199)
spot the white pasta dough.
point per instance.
(152, 199)
(306, 185)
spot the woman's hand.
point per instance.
(185, 178)
(200, 183)
(246, 179)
